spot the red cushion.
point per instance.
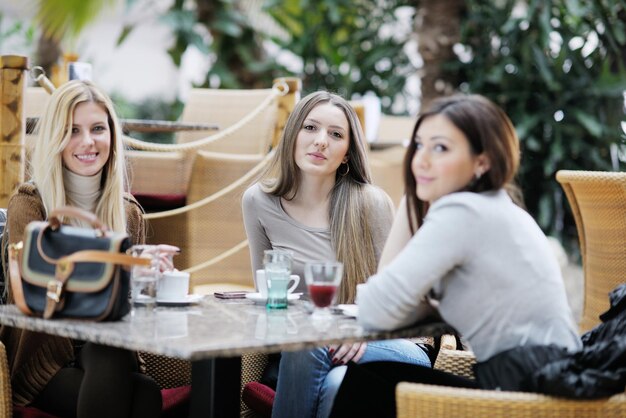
(175, 404)
(176, 401)
(259, 398)
(30, 412)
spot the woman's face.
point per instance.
(323, 141)
(90, 142)
(443, 162)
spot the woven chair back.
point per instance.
(598, 202)
(387, 171)
(6, 403)
(226, 107)
(208, 231)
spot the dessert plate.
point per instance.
(256, 297)
(349, 309)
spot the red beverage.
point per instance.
(322, 294)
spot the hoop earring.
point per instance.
(347, 169)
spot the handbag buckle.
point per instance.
(55, 288)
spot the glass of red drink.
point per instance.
(322, 279)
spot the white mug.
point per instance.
(260, 283)
(173, 286)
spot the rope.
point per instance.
(243, 244)
(243, 179)
(38, 74)
(279, 89)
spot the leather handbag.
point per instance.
(72, 272)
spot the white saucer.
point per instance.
(187, 300)
(349, 309)
(256, 297)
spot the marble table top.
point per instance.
(216, 328)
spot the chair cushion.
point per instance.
(259, 398)
(30, 412)
(176, 401)
(175, 404)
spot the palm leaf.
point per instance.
(60, 18)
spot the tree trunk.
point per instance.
(48, 53)
(438, 24)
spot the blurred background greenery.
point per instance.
(558, 67)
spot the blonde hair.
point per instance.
(55, 128)
(349, 214)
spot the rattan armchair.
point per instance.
(416, 400)
(598, 202)
(387, 171)
(168, 172)
(209, 230)
(6, 405)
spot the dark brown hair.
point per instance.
(488, 130)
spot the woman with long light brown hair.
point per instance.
(316, 200)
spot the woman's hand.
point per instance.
(166, 254)
(344, 353)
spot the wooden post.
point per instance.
(286, 104)
(12, 124)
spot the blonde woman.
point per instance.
(78, 160)
(316, 200)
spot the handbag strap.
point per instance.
(78, 213)
(54, 223)
(16, 278)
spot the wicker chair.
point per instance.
(6, 404)
(395, 128)
(416, 400)
(224, 107)
(386, 166)
(598, 202)
(211, 236)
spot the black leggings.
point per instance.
(368, 389)
(106, 383)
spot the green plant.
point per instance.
(558, 69)
(154, 109)
(221, 30)
(342, 46)
(17, 33)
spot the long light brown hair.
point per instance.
(349, 213)
(488, 130)
(55, 129)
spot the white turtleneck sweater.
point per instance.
(82, 191)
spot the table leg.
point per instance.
(215, 388)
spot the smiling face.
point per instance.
(443, 162)
(90, 143)
(323, 141)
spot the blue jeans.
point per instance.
(308, 381)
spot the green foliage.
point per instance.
(17, 33)
(155, 109)
(342, 46)
(220, 29)
(60, 18)
(558, 69)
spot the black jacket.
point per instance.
(597, 370)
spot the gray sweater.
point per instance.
(268, 226)
(492, 270)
